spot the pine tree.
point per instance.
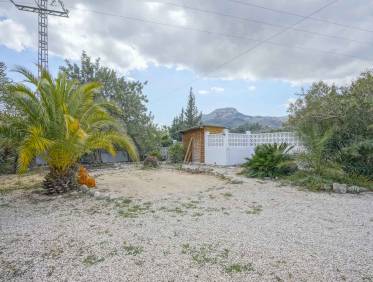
(187, 118)
(192, 115)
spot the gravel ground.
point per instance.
(233, 230)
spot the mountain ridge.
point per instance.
(231, 118)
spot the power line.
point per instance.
(299, 15)
(234, 36)
(42, 10)
(261, 42)
(260, 22)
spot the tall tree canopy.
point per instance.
(128, 95)
(346, 112)
(189, 117)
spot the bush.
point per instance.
(271, 160)
(151, 162)
(155, 153)
(316, 182)
(176, 153)
(358, 158)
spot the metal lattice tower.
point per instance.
(42, 9)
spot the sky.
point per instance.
(253, 55)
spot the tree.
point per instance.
(128, 95)
(192, 115)
(344, 113)
(62, 121)
(187, 118)
(8, 154)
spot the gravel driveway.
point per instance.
(241, 230)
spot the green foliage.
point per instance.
(192, 115)
(151, 162)
(317, 158)
(155, 153)
(316, 182)
(270, 160)
(127, 95)
(358, 158)
(176, 153)
(61, 121)
(8, 153)
(166, 140)
(345, 114)
(188, 118)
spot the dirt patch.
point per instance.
(155, 183)
(25, 181)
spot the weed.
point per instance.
(132, 250)
(256, 209)
(197, 214)
(236, 268)
(227, 194)
(92, 259)
(206, 253)
(133, 211)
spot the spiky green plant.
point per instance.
(61, 122)
(270, 160)
(316, 157)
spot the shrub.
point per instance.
(358, 158)
(270, 160)
(155, 153)
(176, 153)
(316, 182)
(151, 162)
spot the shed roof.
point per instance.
(201, 126)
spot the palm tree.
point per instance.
(316, 156)
(61, 122)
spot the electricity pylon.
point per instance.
(42, 9)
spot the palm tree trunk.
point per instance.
(57, 181)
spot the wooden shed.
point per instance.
(194, 141)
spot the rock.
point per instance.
(100, 196)
(74, 193)
(84, 188)
(327, 187)
(356, 189)
(236, 181)
(339, 188)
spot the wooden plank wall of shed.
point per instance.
(199, 135)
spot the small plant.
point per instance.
(227, 194)
(176, 153)
(270, 160)
(155, 153)
(257, 209)
(92, 259)
(132, 250)
(236, 267)
(151, 162)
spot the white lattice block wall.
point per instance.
(233, 148)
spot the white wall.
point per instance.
(233, 148)
(236, 156)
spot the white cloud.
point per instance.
(14, 35)
(203, 92)
(126, 42)
(252, 88)
(216, 89)
(212, 90)
(178, 17)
